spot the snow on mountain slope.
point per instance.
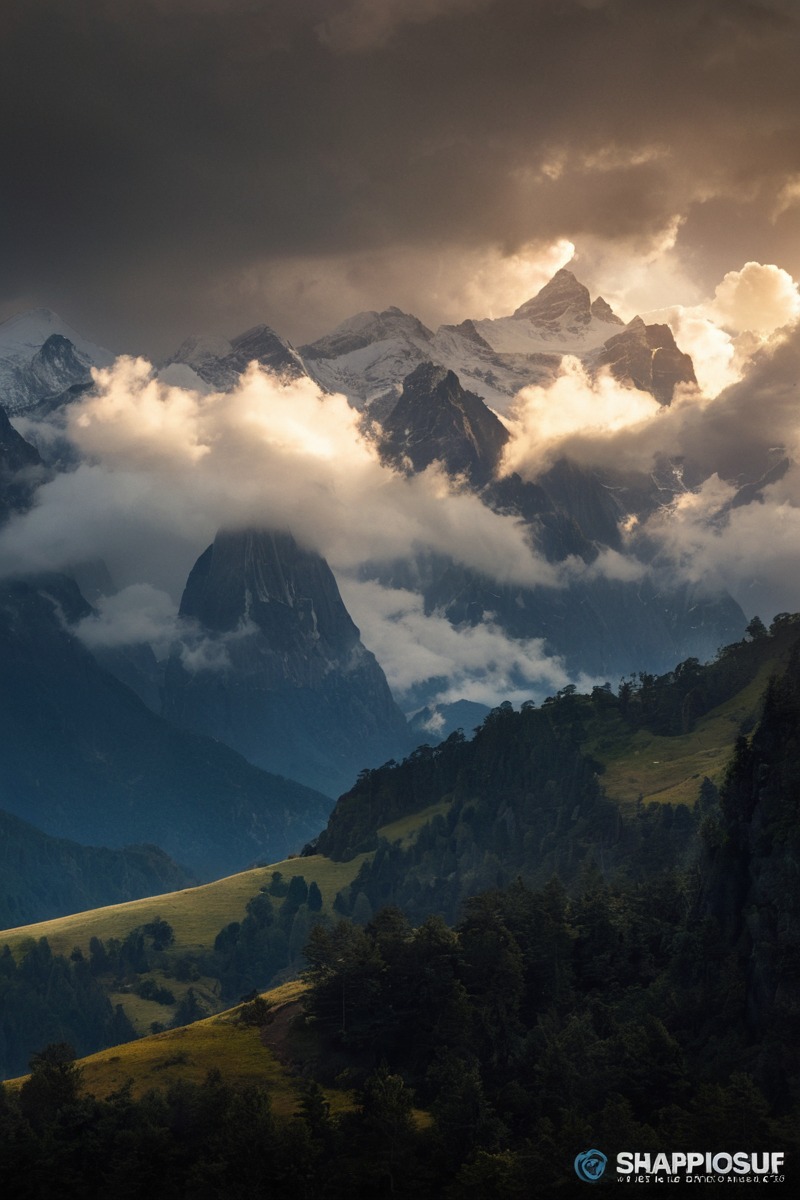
(220, 363)
(41, 356)
(368, 356)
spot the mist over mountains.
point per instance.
(397, 520)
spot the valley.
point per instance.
(254, 862)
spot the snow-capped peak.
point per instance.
(26, 332)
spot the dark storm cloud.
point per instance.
(155, 152)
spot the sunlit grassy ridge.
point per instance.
(224, 1043)
(198, 914)
(195, 914)
(221, 1042)
(670, 769)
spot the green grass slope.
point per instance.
(196, 914)
(243, 1054)
(669, 769)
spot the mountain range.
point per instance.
(263, 656)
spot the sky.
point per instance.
(179, 166)
(174, 167)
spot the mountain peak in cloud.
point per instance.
(289, 661)
(648, 357)
(564, 303)
(41, 357)
(220, 363)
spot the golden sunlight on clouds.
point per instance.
(760, 297)
(543, 419)
(168, 462)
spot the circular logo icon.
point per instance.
(590, 1165)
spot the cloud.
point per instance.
(425, 656)
(759, 298)
(364, 25)
(209, 138)
(164, 467)
(752, 551)
(744, 414)
(141, 614)
(750, 309)
(712, 534)
(747, 542)
(576, 416)
(138, 613)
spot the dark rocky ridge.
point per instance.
(435, 419)
(648, 357)
(297, 692)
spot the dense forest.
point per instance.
(652, 1001)
(525, 796)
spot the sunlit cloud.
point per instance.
(546, 421)
(760, 297)
(164, 467)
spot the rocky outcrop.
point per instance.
(278, 670)
(647, 357)
(436, 419)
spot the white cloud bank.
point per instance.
(164, 467)
(478, 663)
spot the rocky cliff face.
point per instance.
(648, 357)
(280, 672)
(435, 419)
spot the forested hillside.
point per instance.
(526, 796)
